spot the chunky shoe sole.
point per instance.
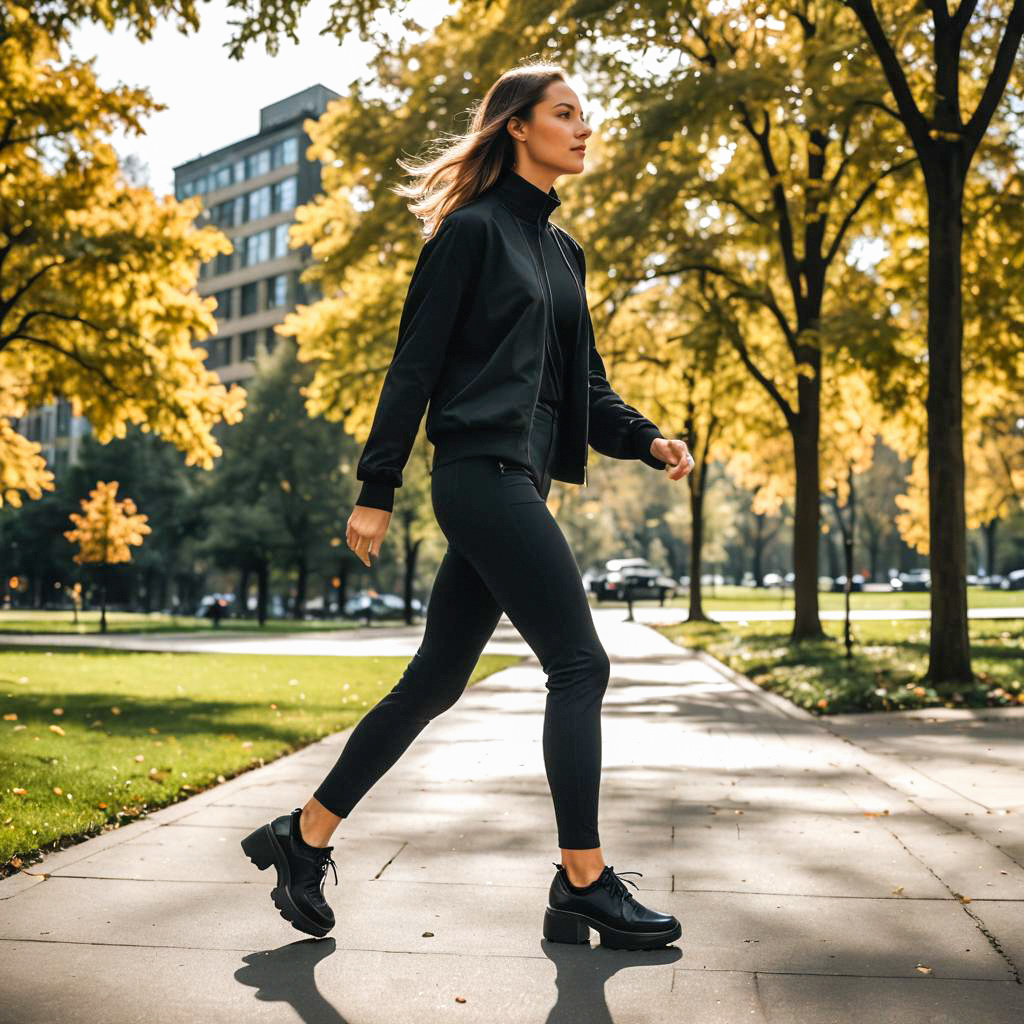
(566, 926)
(263, 849)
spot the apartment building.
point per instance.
(250, 190)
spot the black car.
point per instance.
(916, 579)
(631, 578)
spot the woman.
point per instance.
(496, 336)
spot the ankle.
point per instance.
(310, 833)
(581, 877)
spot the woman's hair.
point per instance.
(471, 163)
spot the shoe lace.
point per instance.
(326, 861)
(614, 880)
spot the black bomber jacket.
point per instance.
(471, 342)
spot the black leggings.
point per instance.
(505, 553)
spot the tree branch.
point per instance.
(910, 115)
(861, 200)
(996, 84)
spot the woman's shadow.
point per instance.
(286, 975)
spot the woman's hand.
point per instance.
(365, 531)
(675, 453)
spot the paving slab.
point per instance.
(846, 870)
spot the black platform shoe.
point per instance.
(301, 872)
(608, 906)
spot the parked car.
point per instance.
(857, 583)
(379, 606)
(631, 577)
(916, 579)
(1013, 580)
(773, 579)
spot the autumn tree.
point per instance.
(97, 277)
(947, 71)
(105, 532)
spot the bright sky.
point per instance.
(213, 100)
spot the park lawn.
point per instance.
(143, 730)
(734, 598)
(29, 621)
(889, 659)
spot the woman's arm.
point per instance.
(444, 274)
(616, 428)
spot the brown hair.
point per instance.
(471, 163)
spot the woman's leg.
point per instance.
(496, 518)
(461, 616)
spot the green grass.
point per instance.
(142, 730)
(884, 674)
(59, 622)
(734, 598)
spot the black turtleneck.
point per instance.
(534, 206)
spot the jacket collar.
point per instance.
(523, 198)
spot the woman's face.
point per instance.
(558, 131)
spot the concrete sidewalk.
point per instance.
(855, 869)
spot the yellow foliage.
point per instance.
(107, 529)
(100, 274)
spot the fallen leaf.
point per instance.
(140, 757)
(58, 711)
(57, 729)
(58, 790)
(247, 744)
(19, 791)
(115, 711)
(460, 999)
(15, 862)
(921, 969)
(102, 807)
(18, 728)
(12, 717)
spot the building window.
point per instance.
(281, 240)
(286, 151)
(269, 339)
(238, 211)
(258, 163)
(277, 291)
(284, 194)
(222, 265)
(239, 171)
(250, 298)
(223, 310)
(220, 352)
(257, 248)
(248, 345)
(259, 203)
(222, 176)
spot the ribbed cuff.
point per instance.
(642, 440)
(377, 494)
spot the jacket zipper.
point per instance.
(580, 324)
(544, 346)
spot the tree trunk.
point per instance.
(989, 530)
(949, 655)
(242, 593)
(807, 512)
(409, 576)
(262, 574)
(299, 607)
(697, 490)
